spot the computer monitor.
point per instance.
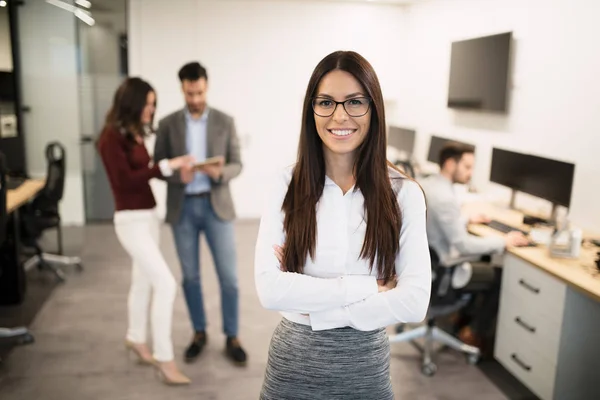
(402, 139)
(437, 144)
(541, 177)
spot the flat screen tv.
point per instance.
(479, 73)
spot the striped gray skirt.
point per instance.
(333, 364)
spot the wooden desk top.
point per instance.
(17, 197)
(579, 273)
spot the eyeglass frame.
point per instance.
(343, 103)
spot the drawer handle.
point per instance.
(528, 286)
(520, 363)
(519, 321)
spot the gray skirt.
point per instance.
(333, 364)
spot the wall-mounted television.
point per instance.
(479, 73)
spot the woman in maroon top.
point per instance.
(127, 163)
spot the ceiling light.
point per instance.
(61, 4)
(2, 3)
(84, 3)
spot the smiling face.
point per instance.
(340, 132)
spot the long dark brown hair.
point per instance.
(382, 213)
(129, 102)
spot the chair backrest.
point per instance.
(442, 292)
(407, 167)
(55, 175)
(48, 198)
(3, 191)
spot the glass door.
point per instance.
(102, 67)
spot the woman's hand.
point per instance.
(391, 284)
(181, 161)
(278, 253)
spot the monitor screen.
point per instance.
(437, 144)
(548, 179)
(402, 139)
(7, 87)
(479, 73)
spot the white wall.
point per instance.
(6, 63)
(554, 102)
(49, 85)
(259, 56)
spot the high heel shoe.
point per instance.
(169, 374)
(140, 358)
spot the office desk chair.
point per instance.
(445, 300)
(43, 214)
(20, 334)
(407, 167)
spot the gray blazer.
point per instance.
(222, 141)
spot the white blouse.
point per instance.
(336, 289)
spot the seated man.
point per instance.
(448, 236)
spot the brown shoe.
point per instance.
(467, 336)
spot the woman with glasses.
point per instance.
(342, 249)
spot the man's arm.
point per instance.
(233, 160)
(162, 150)
(453, 228)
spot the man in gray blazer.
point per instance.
(199, 200)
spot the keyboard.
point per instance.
(502, 227)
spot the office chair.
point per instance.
(43, 214)
(445, 300)
(407, 167)
(20, 334)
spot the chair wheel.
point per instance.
(473, 359)
(79, 267)
(429, 369)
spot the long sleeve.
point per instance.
(453, 227)
(292, 292)
(162, 151)
(409, 300)
(233, 162)
(117, 166)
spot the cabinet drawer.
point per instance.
(533, 287)
(519, 323)
(525, 364)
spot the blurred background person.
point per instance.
(127, 163)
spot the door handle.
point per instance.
(85, 139)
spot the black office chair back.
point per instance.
(55, 177)
(3, 191)
(407, 167)
(442, 292)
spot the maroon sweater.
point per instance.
(127, 166)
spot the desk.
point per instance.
(549, 316)
(17, 197)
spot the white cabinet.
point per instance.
(529, 325)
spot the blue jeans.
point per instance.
(198, 216)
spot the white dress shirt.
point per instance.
(336, 289)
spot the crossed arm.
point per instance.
(350, 300)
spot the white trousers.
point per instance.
(138, 232)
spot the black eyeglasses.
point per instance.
(355, 107)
